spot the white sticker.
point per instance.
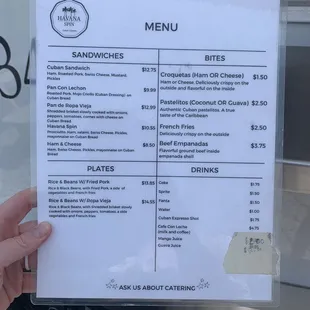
(155, 143)
(250, 253)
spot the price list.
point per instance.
(177, 135)
(154, 152)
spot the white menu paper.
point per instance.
(156, 125)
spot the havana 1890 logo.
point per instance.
(69, 18)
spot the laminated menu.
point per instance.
(155, 148)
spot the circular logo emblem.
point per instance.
(69, 18)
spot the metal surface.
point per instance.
(298, 3)
(296, 178)
(298, 14)
(297, 104)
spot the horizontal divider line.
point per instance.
(162, 49)
(153, 64)
(154, 161)
(156, 176)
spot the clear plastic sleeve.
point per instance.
(157, 150)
